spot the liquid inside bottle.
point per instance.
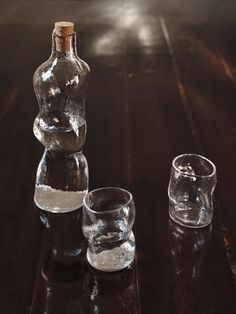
(61, 181)
(60, 131)
(57, 201)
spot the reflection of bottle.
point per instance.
(59, 284)
(65, 240)
(60, 85)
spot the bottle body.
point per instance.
(60, 131)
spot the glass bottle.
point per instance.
(60, 86)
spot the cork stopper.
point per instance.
(63, 32)
(63, 29)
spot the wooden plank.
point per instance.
(20, 234)
(155, 92)
(211, 92)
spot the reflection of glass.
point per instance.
(110, 293)
(191, 187)
(108, 218)
(188, 248)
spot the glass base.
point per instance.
(189, 214)
(188, 224)
(111, 260)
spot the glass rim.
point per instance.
(213, 172)
(111, 210)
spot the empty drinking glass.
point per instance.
(108, 218)
(190, 191)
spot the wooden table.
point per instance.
(163, 83)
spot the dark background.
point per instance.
(163, 83)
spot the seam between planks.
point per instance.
(180, 86)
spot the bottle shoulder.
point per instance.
(61, 69)
(54, 63)
(42, 68)
(83, 65)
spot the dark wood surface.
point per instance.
(163, 83)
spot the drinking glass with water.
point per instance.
(190, 191)
(108, 218)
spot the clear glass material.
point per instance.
(108, 218)
(60, 86)
(190, 191)
(61, 182)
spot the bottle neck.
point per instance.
(64, 46)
